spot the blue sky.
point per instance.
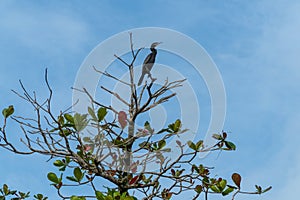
(255, 45)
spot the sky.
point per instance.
(255, 45)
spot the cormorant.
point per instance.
(149, 62)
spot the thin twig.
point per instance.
(105, 73)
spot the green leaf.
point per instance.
(166, 150)
(215, 188)
(194, 167)
(99, 195)
(230, 145)
(154, 146)
(12, 192)
(101, 113)
(145, 145)
(171, 126)
(267, 189)
(8, 111)
(118, 142)
(80, 121)
(24, 195)
(199, 145)
(69, 118)
(148, 127)
(77, 198)
(87, 139)
(161, 144)
(5, 189)
(40, 197)
(227, 191)
(222, 184)
(259, 189)
(92, 114)
(65, 132)
(78, 174)
(217, 136)
(61, 120)
(72, 178)
(58, 163)
(198, 189)
(192, 145)
(179, 172)
(63, 168)
(68, 160)
(127, 198)
(53, 178)
(177, 125)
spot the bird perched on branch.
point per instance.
(149, 62)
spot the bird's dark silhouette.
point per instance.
(149, 62)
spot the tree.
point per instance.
(112, 149)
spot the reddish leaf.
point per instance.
(122, 117)
(133, 180)
(58, 186)
(236, 179)
(87, 147)
(169, 195)
(133, 167)
(178, 142)
(198, 189)
(224, 135)
(173, 172)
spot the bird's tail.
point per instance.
(141, 79)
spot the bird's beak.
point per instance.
(157, 43)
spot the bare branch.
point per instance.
(115, 95)
(125, 63)
(105, 73)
